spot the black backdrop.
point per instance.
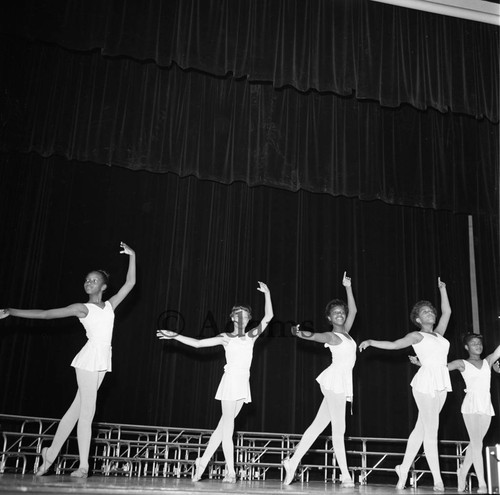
(235, 169)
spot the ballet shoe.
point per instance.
(198, 470)
(289, 474)
(347, 484)
(45, 463)
(482, 489)
(80, 473)
(438, 487)
(229, 478)
(401, 482)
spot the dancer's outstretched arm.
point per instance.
(190, 341)
(351, 303)
(76, 309)
(321, 337)
(457, 364)
(408, 340)
(268, 312)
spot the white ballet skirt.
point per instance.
(477, 393)
(338, 376)
(235, 383)
(95, 355)
(433, 375)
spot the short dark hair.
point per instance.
(336, 302)
(416, 309)
(469, 336)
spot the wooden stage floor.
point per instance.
(97, 485)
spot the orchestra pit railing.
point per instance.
(132, 450)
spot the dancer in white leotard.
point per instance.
(430, 385)
(91, 363)
(234, 388)
(476, 409)
(335, 383)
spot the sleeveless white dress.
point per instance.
(433, 376)
(338, 376)
(95, 355)
(477, 398)
(235, 383)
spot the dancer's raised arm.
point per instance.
(493, 357)
(130, 279)
(268, 312)
(351, 303)
(445, 309)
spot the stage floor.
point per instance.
(96, 485)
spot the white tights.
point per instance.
(82, 410)
(477, 425)
(331, 410)
(223, 434)
(426, 431)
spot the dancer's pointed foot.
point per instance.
(229, 478)
(199, 469)
(80, 473)
(289, 472)
(439, 487)
(482, 489)
(45, 463)
(401, 480)
(347, 484)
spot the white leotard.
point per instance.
(96, 353)
(235, 383)
(477, 393)
(433, 376)
(338, 376)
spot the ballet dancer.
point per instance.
(234, 387)
(476, 409)
(430, 384)
(335, 383)
(91, 363)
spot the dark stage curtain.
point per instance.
(137, 115)
(201, 247)
(350, 47)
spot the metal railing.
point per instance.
(140, 450)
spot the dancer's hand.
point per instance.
(126, 249)
(263, 288)
(441, 285)
(303, 334)
(414, 360)
(4, 313)
(346, 281)
(364, 345)
(166, 334)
